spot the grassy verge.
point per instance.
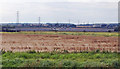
(107, 34)
(53, 59)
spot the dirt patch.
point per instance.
(25, 42)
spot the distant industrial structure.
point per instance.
(60, 27)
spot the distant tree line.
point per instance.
(118, 28)
(9, 28)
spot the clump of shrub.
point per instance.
(25, 56)
(31, 51)
(97, 51)
(68, 63)
(65, 51)
(116, 64)
(40, 63)
(55, 52)
(12, 63)
(46, 55)
(3, 51)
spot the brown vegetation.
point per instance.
(47, 43)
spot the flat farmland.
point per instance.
(58, 42)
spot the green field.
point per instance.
(107, 34)
(56, 59)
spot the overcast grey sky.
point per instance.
(59, 10)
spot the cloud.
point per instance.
(59, 11)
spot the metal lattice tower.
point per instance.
(39, 19)
(78, 22)
(69, 21)
(17, 20)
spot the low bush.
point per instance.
(31, 51)
(68, 63)
(116, 64)
(3, 51)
